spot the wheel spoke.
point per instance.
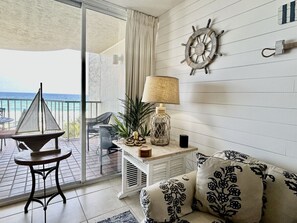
(203, 38)
(207, 42)
(192, 55)
(203, 57)
(197, 59)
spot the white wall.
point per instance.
(113, 79)
(107, 80)
(247, 103)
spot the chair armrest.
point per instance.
(168, 200)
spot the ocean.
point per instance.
(46, 96)
(16, 102)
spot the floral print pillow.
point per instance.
(174, 199)
(229, 189)
(280, 189)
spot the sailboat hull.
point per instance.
(36, 140)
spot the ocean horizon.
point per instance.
(46, 96)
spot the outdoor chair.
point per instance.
(106, 135)
(4, 133)
(94, 123)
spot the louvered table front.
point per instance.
(137, 172)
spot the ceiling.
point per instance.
(41, 25)
(150, 7)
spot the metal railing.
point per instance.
(66, 113)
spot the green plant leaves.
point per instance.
(135, 117)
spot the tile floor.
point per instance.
(88, 204)
(15, 180)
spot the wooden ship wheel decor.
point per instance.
(201, 48)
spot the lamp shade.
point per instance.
(161, 89)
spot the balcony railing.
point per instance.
(66, 113)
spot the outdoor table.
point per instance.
(4, 120)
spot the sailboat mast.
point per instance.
(41, 97)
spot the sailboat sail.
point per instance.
(38, 126)
(50, 122)
(30, 120)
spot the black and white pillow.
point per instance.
(229, 189)
(174, 198)
(234, 155)
(280, 189)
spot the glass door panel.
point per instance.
(40, 41)
(105, 46)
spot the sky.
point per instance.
(22, 71)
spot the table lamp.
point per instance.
(161, 89)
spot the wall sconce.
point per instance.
(116, 59)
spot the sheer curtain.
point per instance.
(141, 30)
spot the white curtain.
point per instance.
(141, 30)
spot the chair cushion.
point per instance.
(174, 197)
(281, 196)
(229, 189)
(201, 217)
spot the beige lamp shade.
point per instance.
(161, 89)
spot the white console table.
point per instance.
(137, 172)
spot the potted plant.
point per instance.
(134, 118)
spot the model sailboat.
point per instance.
(37, 126)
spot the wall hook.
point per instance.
(280, 47)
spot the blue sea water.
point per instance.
(46, 96)
(55, 102)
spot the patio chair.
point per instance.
(106, 135)
(94, 123)
(4, 133)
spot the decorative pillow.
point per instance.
(169, 200)
(229, 189)
(234, 155)
(281, 195)
(280, 190)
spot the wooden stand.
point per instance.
(46, 152)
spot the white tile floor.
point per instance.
(88, 204)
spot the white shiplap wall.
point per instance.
(247, 103)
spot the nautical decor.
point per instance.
(287, 13)
(201, 48)
(135, 139)
(37, 126)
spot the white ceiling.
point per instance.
(151, 7)
(39, 25)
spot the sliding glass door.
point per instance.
(40, 41)
(105, 85)
(78, 55)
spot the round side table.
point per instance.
(27, 159)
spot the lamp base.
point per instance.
(160, 129)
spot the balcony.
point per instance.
(15, 180)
